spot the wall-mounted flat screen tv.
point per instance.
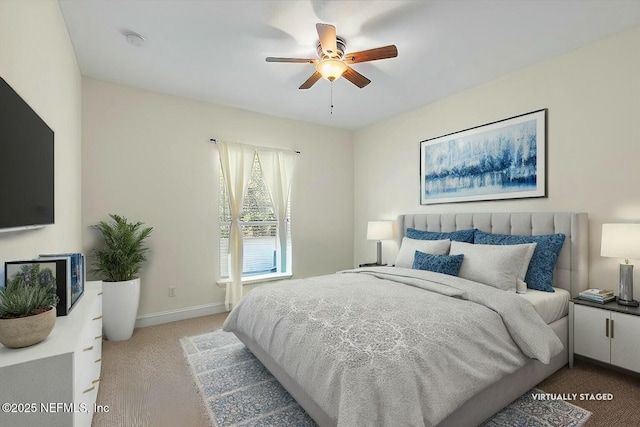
(26, 164)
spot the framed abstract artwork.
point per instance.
(499, 160)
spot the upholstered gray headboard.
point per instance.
(572, 268)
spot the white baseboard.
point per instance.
(178, 314)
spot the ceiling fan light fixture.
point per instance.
(331, 69)
(333, 62)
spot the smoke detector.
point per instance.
(134, 39)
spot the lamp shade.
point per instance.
(620, 241)
(380, 230)
(331, 69)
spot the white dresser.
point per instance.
(55, 383)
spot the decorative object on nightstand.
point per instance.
(622, 241)
(380, 230)
(600, 296)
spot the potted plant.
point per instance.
(119, 263)
(27, 308)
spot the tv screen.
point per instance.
(26, 164)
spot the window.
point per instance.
(261, 252)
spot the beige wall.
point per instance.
(147, 156)
(38, 62)
(593, 147)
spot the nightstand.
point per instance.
(605, 332)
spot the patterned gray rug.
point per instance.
(239, 391)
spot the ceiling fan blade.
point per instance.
(371, 55)
(327, 36)
(297, 60)
(311, 80)
(356, 78)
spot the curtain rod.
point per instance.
(215, 141)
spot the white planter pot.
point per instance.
(120, 308)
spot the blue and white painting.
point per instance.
(501, 160)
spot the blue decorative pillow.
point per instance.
(540, 273)
(446, 264)
(457, 236)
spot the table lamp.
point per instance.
(380, 230)
(622, 241)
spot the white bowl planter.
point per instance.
(120, 308)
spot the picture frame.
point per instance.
(43, 271)
(75, 267)
(68, 270)
(505, 159)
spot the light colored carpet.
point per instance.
(147, 378)
(239, 391)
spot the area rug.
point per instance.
(239, 391)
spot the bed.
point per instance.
(399, 363)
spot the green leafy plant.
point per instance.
(125, 250)
(28, 292)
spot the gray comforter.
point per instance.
(389, 346)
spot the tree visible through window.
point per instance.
(259, 227)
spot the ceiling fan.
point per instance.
(333, 63)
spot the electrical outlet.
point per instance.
(172, 291)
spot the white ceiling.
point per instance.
(215, 50)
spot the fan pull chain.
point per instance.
(331, 97)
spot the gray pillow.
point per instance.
(409, 247)
(501, 266)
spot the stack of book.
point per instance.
(597, 295)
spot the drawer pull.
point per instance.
(88, 348)
(611, 328)
(100, 293)
(99, 337)
(95, 381)
(89, 389)
(606, 330)
(98, 360)
(97, 318)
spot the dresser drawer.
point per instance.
(85, 400)
(87, 363)
(90, 345)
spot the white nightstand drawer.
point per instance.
(625, 344)
(590, 331)
(605, 332)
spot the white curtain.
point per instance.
(236, 161)
(277, 170)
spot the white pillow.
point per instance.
(521, 285)
(501, 266)
(409, 247)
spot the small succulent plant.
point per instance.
(23, 297)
